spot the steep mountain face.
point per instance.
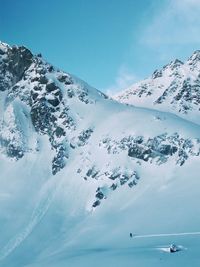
(175, 88)
(39, 100)
(66, 149)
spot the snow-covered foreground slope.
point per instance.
(80, 171)
(65, 234)
(175, 88)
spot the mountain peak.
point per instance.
(176, 85)
(176, 63)
(22, 50)
(15, 60)
(195, 57)
(3, 47)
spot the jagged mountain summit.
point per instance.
(175, 88)
(71, 157)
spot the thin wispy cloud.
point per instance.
(169, 30)
(178, 22)
(125, 77)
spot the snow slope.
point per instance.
(80, 171)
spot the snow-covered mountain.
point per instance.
(175, 88)
(79, 171)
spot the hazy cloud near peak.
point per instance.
(125, 78)
(170, 31)
(178, 22)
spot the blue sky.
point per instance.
(108, 43)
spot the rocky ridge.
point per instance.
(174, 88)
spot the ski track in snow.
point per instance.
(169, 234)
(37, 215)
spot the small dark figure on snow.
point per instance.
(173, 248)
(131, 235)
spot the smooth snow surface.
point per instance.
(52, 226)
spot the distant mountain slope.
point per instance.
(175, 88)
(67, 151)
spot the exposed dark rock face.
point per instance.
(41, 117)
(59, 161)
(84, 136)
(64, 78)
(121, 178)
(19, 60)
(139, 152)
(14, 152)
(25, 76)
(28, 78)
(15, 61)
(159, 148)
(96, 203)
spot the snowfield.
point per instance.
(80, 172)
(57, 230)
